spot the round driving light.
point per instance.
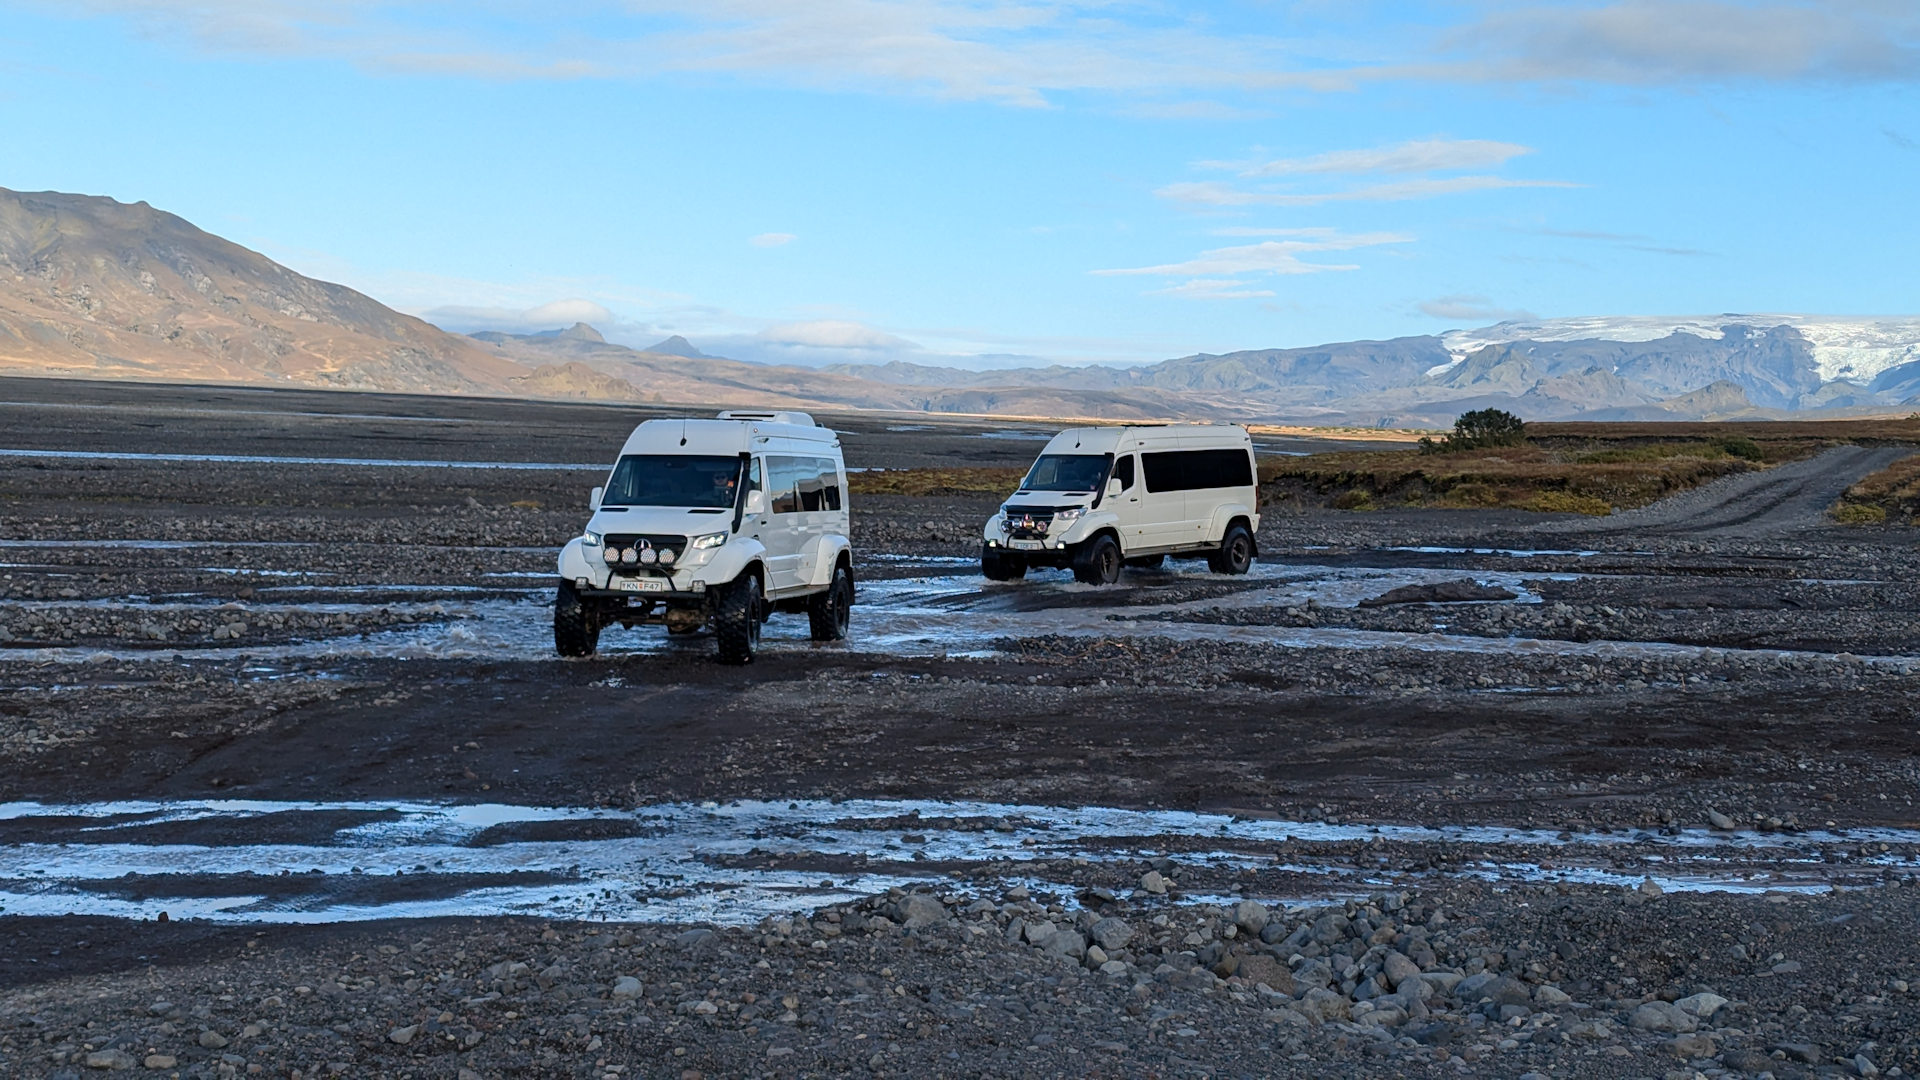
(666, 556)
(610, 554)
(629, 556)
(649, 556)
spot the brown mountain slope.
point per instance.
(96, 288)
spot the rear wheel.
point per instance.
(997, 565)
(1236, 552)
(736, 619)
(576, 630)
(828, 613)
(1098, 561)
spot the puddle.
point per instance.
(260, 861)
(271, 459)
(1517, 553)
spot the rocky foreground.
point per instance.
(1460, 980)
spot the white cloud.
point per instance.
(1422, 155)
(1216, 289)
(772, 239)
(1665, 42)
(554, 315)
(833, 334)
(1476, 309)
(1215, 193)
(1016, 52)
(1268, 256)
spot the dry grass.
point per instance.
(976, 480)
(1569, 468)
(1892, 493)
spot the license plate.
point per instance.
(1029, 545)
(641, 584)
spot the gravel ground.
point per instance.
(1726, 660)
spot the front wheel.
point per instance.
(828, 613)
(1236, 552)
(997, 565)
(1098, 561)
(736, 619)
(575, 630)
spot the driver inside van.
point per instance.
(724, 485)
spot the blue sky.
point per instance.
(1003, 181)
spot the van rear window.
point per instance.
(1195, 470)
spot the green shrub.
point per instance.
(1851, 513)
(1353, 499)
(1742, 447)
(1476, 429)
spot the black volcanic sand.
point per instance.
(1821, 732)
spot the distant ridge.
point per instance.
(676, 346)
(95, 288)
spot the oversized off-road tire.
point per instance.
(1147, 562)
(997, 565)
(1098, 561)
(736, 619)
(576, 627)
(1236, 551)
(828, 613)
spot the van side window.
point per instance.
(1195, 470)
(783, 484)
(1123, 472)
(829, 484)
(803, 485)
(753, 475)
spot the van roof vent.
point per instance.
(797, 418)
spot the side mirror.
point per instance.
(1114, 487)
(756, 502)
(593, 500)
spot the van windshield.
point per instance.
(673, 480)
(1066, 472)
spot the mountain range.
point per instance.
(94, 288)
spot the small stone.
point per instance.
(1702, 1005)
(920, 910)
(1651, 888)
(212, 1040)
(1096, 956)
(1398, 969)
(1154, 883)
(1250, 916)
(160, 1061)
(109, 1059)
(1720, 821)
(1693, 1046)
(1660, 1016)
(693, 939)
(1551, 995)
(1804, 1053)
(403, 1035)
(1113, 967)
(1111, 934)
(627, 987)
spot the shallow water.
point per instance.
(931, 615)
(273, 459)
(260, 861)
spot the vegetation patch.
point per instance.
(1892, 494)
(1582, 468)
(975, 480)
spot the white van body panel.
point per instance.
(1145, 521)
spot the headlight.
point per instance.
(711, 540)
(1069, 514)
(590, 538)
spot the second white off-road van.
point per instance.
(713, 523)
(1099, 498)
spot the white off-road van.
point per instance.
(713, 523)
(1102, 497)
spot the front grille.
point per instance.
(1028, 525)
(656, 541)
